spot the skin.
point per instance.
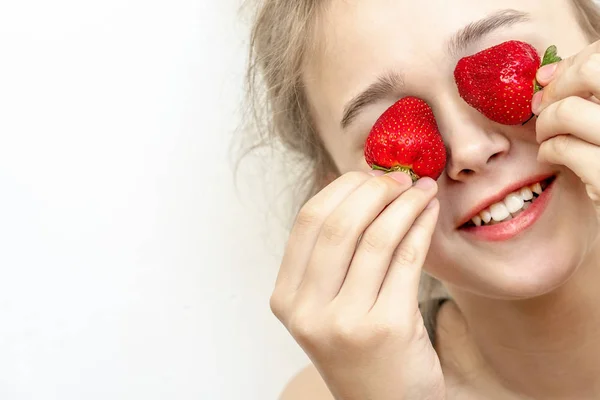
(523, 323)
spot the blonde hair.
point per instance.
(281, 38)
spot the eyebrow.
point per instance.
(392, 82)
(476, 30)
(385, 85)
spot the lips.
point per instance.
(496, 204)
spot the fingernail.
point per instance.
(536, 102)
(425, 183)
(401, 177)
(376, 172)
(546, 73)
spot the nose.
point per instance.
(472, 141)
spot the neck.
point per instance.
(546, 347)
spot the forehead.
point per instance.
(360, 39)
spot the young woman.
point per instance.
(523, 317)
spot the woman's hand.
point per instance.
(568, 126)
(348, 283)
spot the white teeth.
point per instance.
(486, 216)
(499, 212)
(514, 202)
(526, 193)
(511, 206)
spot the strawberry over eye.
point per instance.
(500, 81)
(406, 138)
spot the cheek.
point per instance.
(441, 259)
(440, 255)
(347, 148)
(348, 156)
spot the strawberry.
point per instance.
(406, 138)
(500, 81)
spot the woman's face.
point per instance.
(421, 42)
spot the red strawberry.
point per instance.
(500, 82)
(406, 138)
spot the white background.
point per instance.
(130, 268)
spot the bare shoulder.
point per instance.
(307, 384)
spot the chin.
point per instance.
(536, 262)
(522, 276)
(535, 273)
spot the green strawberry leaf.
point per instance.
(401, 168)
(550, 57)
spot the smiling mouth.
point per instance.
(511, 206)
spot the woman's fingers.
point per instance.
(569, 115)
(574, 76)
(341, 231)
(572, 115)
(307, 227)
(569, 135)
(399, 291)
(378, 243)
(579, 156)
